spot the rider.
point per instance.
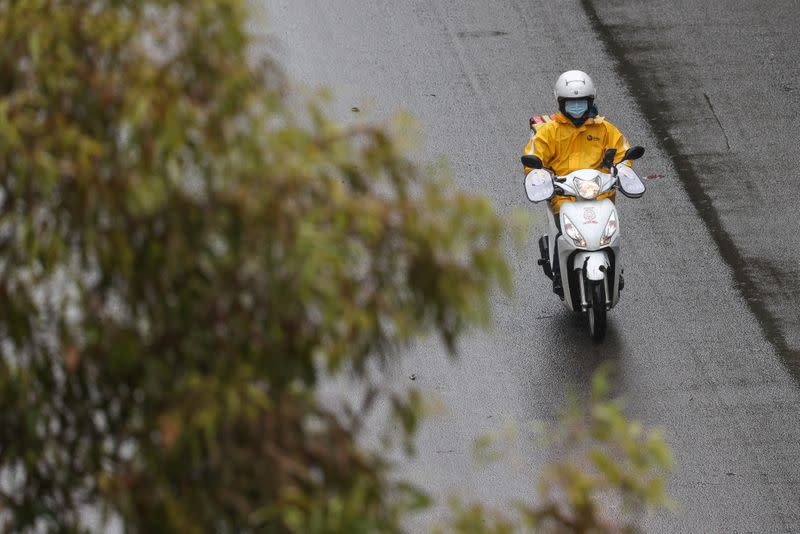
(575, 139)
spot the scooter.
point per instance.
(585, 261)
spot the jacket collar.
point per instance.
(561, 118)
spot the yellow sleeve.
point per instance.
(539, 146)
(528, 151)
(618, 141)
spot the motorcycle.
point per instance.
(585, 261)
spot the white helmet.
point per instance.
(574, 84)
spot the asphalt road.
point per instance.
(705, 340)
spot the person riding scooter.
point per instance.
(576, 138)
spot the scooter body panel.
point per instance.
(595, 264)
(589, 217)
(599, 261)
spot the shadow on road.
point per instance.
(574, 357)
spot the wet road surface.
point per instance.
(701, 346)
(719, 84)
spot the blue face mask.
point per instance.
(576, 108)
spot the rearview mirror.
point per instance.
(532, 161)
(634, 152)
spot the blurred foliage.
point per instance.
(182, 258)
(608, 472)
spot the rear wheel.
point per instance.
(597, 311)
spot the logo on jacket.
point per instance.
(590, 137)
(589, 216)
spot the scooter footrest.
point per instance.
(559, 291)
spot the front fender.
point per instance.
(595, 263)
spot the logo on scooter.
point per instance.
(589, 216)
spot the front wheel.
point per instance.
(597, 311)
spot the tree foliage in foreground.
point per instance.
(182, 257)
(608, 473)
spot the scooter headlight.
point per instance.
(587, 189)
(610, 230)
(573, 233)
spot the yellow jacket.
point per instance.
(564, 148)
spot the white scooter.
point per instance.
(585, 263)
